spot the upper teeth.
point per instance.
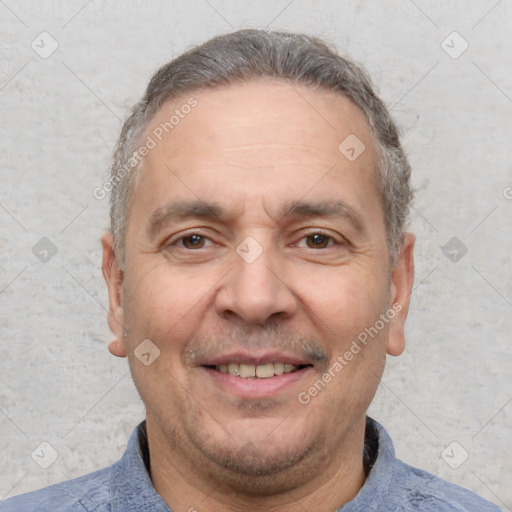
(263, 371)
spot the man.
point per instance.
(258, 274)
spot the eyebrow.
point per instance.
(176, 211)
(333, 208)
(180, 210)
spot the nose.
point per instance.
(253, 292)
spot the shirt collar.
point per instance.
(130, 485)
(372, 496)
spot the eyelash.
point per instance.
(331, 239)
(190, 235)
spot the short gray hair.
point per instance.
(252, 54)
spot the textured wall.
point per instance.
(61, 114)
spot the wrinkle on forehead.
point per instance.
(251, 113)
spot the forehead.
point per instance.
(250, 113)
(260, 141)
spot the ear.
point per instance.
(113, 276)
(402, 278)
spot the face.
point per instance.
(255, 256)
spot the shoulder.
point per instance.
(394, 485)
(421, 491)
(88, 493)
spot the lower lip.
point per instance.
(254, 387)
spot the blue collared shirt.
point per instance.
(391, 486)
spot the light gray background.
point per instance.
(60, 118)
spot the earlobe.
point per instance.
(402, 278)
(117, 348)
(113, 276)
(396, 336)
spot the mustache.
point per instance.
(202, 347)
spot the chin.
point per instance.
(257, 458)
(253, 459)
(257, 472)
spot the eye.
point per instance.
(317, 241)
(194, 241)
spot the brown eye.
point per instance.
(318, 241)
(193, 241)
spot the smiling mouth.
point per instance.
(260, 371)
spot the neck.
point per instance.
(188, 482)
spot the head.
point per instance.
(241, 57)
(259, 199)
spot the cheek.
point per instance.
(347, 308)
(345, 301)
(162, 306)
(165, 304)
